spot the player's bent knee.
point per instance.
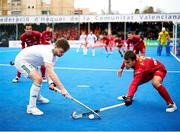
(156, 84)
(37, 79)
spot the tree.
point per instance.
(148, 10)
(137, 11)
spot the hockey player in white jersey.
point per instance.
(91, 39)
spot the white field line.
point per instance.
(175, 57)
(90, 69)
(83, 86)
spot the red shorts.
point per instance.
(119, 45)
(161, 73)
(140, 47)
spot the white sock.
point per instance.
(93, 51)
(39, 96)
(85, 51)
(34, 92)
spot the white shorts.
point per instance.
(24, 67)
(82, 42)
(91, 44)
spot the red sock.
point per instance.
(106, 49)
(163, 92)
(18, 74)
(43, 71)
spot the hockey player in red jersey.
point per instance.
(146, 69)
(137, 43)
(28, 38)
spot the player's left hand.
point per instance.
(128, 100)
(65, 93)
(52, 86)
(120, 72)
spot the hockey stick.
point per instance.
(80, 103)
(81, 115)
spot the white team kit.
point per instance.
(32, 57)
(82, 39)
(91, 38)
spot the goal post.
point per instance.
(176, 40)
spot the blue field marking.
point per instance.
(5, 50)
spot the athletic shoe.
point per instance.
(44, 79)
(15, 80)
(34, 111)
(123, 97)
(42, 99)
(171, 108)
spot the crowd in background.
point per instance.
(72, 31)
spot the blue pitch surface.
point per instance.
(99, 74)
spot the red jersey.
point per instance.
(144, 70)
(135, 41)
(32, 39)
(119, 42)
(106, 40)
(57, 35)
(46, 37)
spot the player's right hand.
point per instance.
(128, 100)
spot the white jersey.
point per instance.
(37, 55)
(83, 37)
(91, 38)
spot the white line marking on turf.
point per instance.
(83, 86)
(175, 57)
(85, 69)
(95, 69)
(91, 69)
(5, 65)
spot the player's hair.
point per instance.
(130, 55)
(48, 26)
(63, 43)
(28, 24)
(131, 32)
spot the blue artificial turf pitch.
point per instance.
(99, 74)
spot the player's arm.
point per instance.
(95, 38)
(132, 88)
(159, 38)
(22, 42)
(168, 36)
(128, 44)
(121, 69)
(43, 39)
(52, 76)
(39, 36)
